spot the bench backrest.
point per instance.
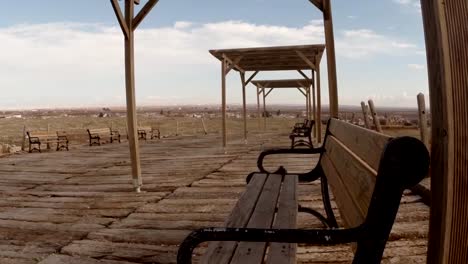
(145, 128)
(41, 134)
(368, 172)
(99, 131)
(350, 162)
(61, 133)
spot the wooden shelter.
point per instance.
(306, 86)
(283, 58)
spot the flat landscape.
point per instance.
(78, 206)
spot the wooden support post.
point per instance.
(264, 110)
(48, 133)
(423, 119)
(259, 118)
(130, 92)
(223, 101)
(177, 128)
(375, 117)
(446, 32)
(314, 106)
(365, 114)
(244, 105)
(318, 119)
(23, 141)
(331, 60)
(204, 126)
(307, 101)
(128, 24)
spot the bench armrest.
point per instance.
(285, 151)
(302, 236)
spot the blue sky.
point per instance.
(70, 53)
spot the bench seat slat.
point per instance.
(262, 217)
(285, 253)
(367, 144)
(220, 252)
(351, 180)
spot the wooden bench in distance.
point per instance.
(37, 138)
(303, 132)
(98, 134)
(368, 173)
(143, 133)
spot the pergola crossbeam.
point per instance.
(271, 90)
(143, 12)
(120, 18)
(305, 59)
(304, 75)
(318, 4)
(300, 90)
(233, 64)
(251, 77)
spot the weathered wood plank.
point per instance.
(262, 217)
(285, 219)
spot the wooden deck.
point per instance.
(78, 206)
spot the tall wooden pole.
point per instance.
(264, 110)
(128, 24)
(331, 60)
(259, 118)
(314, 106)
(307, 89)
(423, 119)
(130, 91)
(318, 123)
(446, 32)
(244, 105)
(223, 101)
(365, 114)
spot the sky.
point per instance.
(70, 53)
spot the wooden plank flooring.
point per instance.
(78, 206)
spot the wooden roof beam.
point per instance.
(143, 12)
(318, 4)
(305, 59)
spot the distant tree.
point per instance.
(278, 113)
(101, 114)
(162, 112)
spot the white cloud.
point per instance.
(417, 67)
(413, 4)
(364, 43)
(65, 64)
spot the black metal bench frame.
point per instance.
(303, 131)
(143, 133)
(403, 163)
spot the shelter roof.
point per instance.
(290, 83)
(280, 58)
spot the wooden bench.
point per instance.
(97, 134)
(303, 131)
(368, 173)
(37, 138)
(143, 133)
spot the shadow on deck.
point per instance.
(78, 206)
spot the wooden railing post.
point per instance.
(423, 130)
(365, 114)
(375, 117)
